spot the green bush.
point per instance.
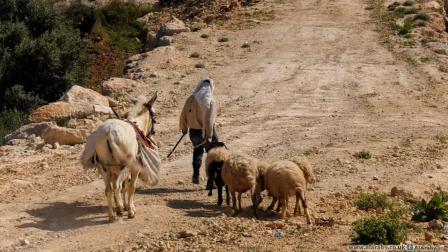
(83, 17)
(379, 201)
(389, 229)
(436, 208)
(393, 6)
(41, 56)
(409, 3)
(117, 24)
(10, 120)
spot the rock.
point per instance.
(187, 233)
(65, 136)
(375, 178)
(165, 41)
(432, 6)
(24, 241)
(327, 222)
(429, 236)
(102, 109)
(438, 47)
(245, 45)
(435, 225)
(112, 103)
(56, 145)
(175, 26)
(150, 40)
(16, 142)
(114, 86)
(27, 130)
(76, 101)
(279, 234)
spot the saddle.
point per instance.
(142, 138)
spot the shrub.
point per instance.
(83, 17)
(194, 55)
(406, 28)
(436, 208)
(393, 6)
(364, 154)
(199, 65)
(10, 120)
(117, 24)
(409, 3)
(204, 35)
(62, 121)
(223, 39)
(422, 16)
(379, 201)
(389, 229)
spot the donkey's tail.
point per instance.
(305, 166)
(89, 157)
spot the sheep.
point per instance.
(217, 153)
(114, 150)
(287, 178)
(241, 173)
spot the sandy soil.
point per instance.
(315, 80)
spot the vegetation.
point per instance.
(199, 65)
(436, 208)
(195, 55)
(41, 56)
(378, 201)
(364, 154)
(388, 229)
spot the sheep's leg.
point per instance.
(297, 206)
(256, 200)
(108, 192)
(239, 201)
(305, 207)
(219, 184)
(131, 193)
(235, 210)
(271, 206)
(118, 200)
(227, 195)
(284, 202)
(279, 205)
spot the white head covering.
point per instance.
(203, 93)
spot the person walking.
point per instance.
(198, 120)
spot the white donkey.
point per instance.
(114, 150)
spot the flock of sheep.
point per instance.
(240, 173)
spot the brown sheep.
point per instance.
(288, 178)
(241, 174)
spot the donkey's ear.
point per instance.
(153, 100)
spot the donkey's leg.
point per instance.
(131, 191)
(117, 196)
(108, 192)
(219, 185)
(124, 189)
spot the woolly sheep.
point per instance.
(241, 173)
(288, 178)
(214, 161)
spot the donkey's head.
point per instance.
(144, 114)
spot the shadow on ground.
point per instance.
(162, 191)
(60, 216)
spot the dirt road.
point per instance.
(315, 81)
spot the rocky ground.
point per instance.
(324, 79)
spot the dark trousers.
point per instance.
(197, 139)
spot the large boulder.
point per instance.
(118, 85)
(175, 26)
(26, 131)
(50, 133)
(67, 136)
(76, 101)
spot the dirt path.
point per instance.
(315, 81)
